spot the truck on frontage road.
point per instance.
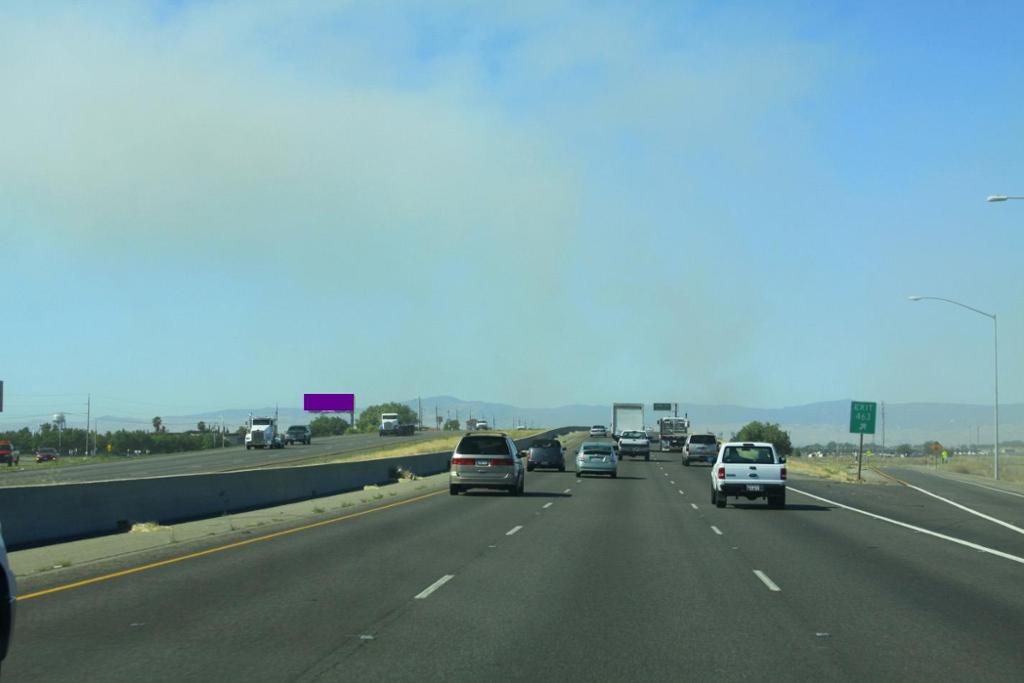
(627, 417)
(262, 433)
(391, 425)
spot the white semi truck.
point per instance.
(263, 433)
(674, 431)
(391, 425)
(627, 417)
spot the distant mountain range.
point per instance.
(815, 422)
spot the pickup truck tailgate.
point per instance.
(752, 473)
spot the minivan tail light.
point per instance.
(783, 473)
(499, 462)
(463, 461)
(721, 473)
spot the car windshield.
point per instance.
(761, 455)
(483, 445)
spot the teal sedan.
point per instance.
(596, 457)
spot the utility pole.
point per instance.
(419, 404)
(883, 426)
(88, 419)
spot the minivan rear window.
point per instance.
(703, 438)
(483, 445)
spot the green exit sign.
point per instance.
(862, 417)
(663, 406)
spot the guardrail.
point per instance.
(40, 515)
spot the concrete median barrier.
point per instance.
(38, 515)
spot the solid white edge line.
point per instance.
(546, 506)
(513, 530)
(716, 529)
(921, 530)
(990, 488)
(434, 586)
(766, 581)
(966, 509)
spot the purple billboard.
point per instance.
(329, 403)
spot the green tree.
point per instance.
(904, 449)
(326, 425)
(158, 424)
(451, 426)
(201, 426)
(769, 432)
(369, 419)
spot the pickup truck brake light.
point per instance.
(783, 474)
(721, 473)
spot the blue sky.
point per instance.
(209, 205)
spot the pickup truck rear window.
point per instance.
(483, 445)
(759, 455)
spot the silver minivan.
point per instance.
(8, 594)
(490, 461)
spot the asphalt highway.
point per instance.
(195, 462)
(638, 577)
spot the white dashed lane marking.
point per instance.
(547, 505)
(434, 586)
(513, 529)
(766, 581)
(716, 529)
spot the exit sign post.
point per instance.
(862, 421)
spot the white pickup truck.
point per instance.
(749, 470)
(635, 443)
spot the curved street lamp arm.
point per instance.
(956, 303)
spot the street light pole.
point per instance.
(1002, 197)
(995, 346)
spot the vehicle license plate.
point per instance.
(483, 463)
(753, 487)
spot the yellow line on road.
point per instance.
(210, 551)
(889, 476)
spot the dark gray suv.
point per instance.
(546, 453)
(298, 434)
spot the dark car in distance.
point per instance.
(298, 434)
(546, 453)
(46, 454)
